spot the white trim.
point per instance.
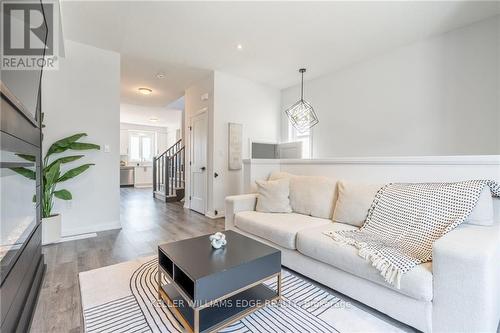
(212, 216)
(406, 160)
(95, 228)
(143, 185)
(76, 237)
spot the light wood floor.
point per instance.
(145, 224)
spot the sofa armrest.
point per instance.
(238, 203)
(466, 278)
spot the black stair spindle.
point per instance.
(154, 175)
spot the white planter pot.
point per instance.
(51, 229)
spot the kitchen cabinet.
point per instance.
(123, 142)
(143, 176)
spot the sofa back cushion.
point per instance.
(353, 202)
(482, 214)
(310, 195)
(355, 199)
(273, 196)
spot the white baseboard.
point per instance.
(91, 229)
(143, 185)
(77, 237)
(211, 215)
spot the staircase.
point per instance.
(168, 174)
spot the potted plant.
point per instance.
(52, 176)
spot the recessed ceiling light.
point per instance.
(160, 75)
(145, 91)
(154, 119)
(239, 47)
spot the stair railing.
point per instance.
(169, 170)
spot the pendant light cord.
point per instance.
(302, 71)
(302, 87)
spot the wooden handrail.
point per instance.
(172, 149)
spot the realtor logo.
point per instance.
(29, 35)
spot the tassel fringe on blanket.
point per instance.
(401, 214)
(390, 272)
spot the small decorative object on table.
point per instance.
(218, 240)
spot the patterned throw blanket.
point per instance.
(405, 220)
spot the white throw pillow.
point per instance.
(482, 214)
(273, 196)
(310, 195)
(353, 202)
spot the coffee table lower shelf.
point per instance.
(213, 318)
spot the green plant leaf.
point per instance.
(25, 172)
(30, 158)
(54, 149)
(83, 146)
(34, 198)
(66, 159)
(74, 172)
(52, 174)
(64, 144)
(63, 194)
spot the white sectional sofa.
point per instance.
(457, 292)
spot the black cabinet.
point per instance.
(21, 259)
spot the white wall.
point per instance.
(84, 96)
(257, 108)
(237, 100)
(439, 96)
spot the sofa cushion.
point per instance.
(310, 195)
(353, 202)
(273, 196)
(355, 199)
(279, 228)
(417, 283)
(482, 214)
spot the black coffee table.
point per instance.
(209, 289)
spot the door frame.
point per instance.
(201, 113)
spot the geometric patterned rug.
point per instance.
(123, 298)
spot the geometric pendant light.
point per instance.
(301, 114)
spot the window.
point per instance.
(141, 146)
(305, 138)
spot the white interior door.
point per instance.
(199, 139)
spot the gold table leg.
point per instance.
(159, 283)
(280, 289)
(196, 320)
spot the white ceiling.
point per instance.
(188, 39)
(141, 115)
(138, 72)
